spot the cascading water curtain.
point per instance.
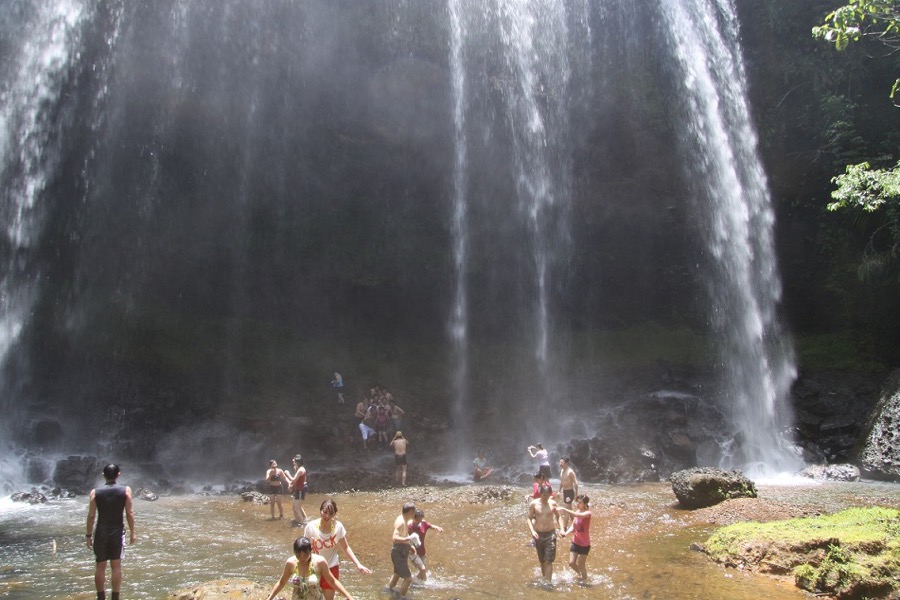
(738, 221)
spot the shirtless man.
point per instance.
(400, 550)
(400, 444)
(568, 487)
(543, 521)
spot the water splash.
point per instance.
(736, 205)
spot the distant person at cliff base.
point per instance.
(538, 453)
(327, 534)
(400, 444)
(338, 384)
(274, 477)
(307, 573)
(107, 505)
(400, 539)
(581, 538)
(420, 527)
(298, 488)
(482, 469)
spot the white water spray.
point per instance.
(745, 286)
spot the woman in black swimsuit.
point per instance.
(274, 477)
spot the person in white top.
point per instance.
(327, 534)
(538, 453)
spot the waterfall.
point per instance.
(459, 316)
(206, 206)
(736, 207)
(47, 46)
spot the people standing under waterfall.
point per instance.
(538, 453)
(107, 505)
(327, 534)
(399, 444)
(382, 420)
(568, 487)
(338, 384)
(581, 538)
(400, 548)
(543, 521)
(298, 488)
(396, 416)
(419, 526)
(366, 426)
(274, 477)
(308, 574)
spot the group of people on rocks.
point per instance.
(313, 570)
(380, 417)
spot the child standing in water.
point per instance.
(420, 527)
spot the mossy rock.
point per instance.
(852, 554)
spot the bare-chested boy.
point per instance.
(543, 521)
(568, 487)
(400, 550)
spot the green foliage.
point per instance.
(876, 19)
(867, 189)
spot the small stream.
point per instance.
(640, 545)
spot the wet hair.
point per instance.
(302, 544)
(545, 488)
(583, 498)
(298, 459)
(565, 459)
(408, 507)
(539, 446)
(110, 472)
(328, 502)
(273, 462)
(420, 514)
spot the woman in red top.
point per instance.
(581, 538)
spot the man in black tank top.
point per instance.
(107, 505)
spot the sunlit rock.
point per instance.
(831, 472)
(879, 455)
(225, 589)
(706, 486)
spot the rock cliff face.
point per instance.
(879, 452)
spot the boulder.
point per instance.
(705, 486)
(145, 494)
(831, 472)
(879, 454)
(224, 589)
(78, 473)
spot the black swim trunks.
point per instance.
(576, 549)
(400, 558)
(109, 543)
(546, 546)
(399, 459)
(568, 496)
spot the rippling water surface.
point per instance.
(640, 545)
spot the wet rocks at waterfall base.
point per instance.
(879, 454)
(705, 486)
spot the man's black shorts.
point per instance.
(109, 544)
